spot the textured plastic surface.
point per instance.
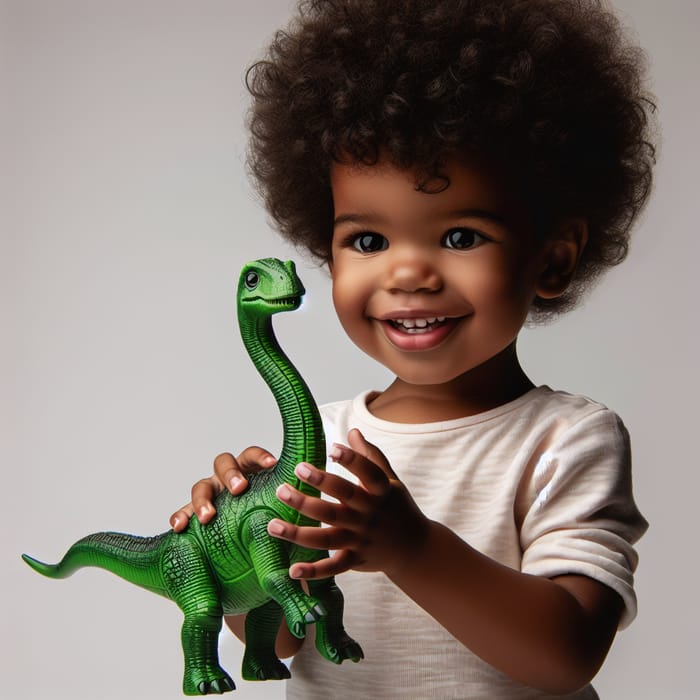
(231, 565)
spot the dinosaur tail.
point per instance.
(135, 559)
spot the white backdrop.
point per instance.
(126, 215)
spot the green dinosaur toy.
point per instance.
(231, 565)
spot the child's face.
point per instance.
(431, 285)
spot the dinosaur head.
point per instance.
(267, 287)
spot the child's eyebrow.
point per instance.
(458, 214)
(479, 214)
(355, 219)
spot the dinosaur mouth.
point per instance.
(291, 302)
(286, 301)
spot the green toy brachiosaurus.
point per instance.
(231, 565)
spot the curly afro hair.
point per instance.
(552, 88)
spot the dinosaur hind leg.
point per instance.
(191, 585)
(203, 675)
(260, 662)
(332, 641)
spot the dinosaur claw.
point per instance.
(298, 630)
(355, 653)
(218, 686)
(316, 613)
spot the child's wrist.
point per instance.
(415, 560)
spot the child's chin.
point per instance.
(424, 373)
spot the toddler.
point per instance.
(460, 166)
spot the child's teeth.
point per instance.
(418, 323)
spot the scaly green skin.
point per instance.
(232, 566)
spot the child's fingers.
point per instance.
(228, 471)
(254, 459)
(371, 452)
(351, 496)
(374, 475)
(338, 563)
(338, 514)
(203, 494)
(180, 519)
(233, 471)
(311, 537)
(371, 475)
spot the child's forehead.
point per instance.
(461, 183)
(435, 177)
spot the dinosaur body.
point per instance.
(231, 565)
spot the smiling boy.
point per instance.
(460, 166)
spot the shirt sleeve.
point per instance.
(582, 518)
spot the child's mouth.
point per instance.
(416, 334)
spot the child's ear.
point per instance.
(560, 256)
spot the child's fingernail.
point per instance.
(336, 452)
(235, 482)
(269, 461)
(302, 471)
(276, 527)
(284, 494)
(176, 522)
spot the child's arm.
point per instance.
(549, 634)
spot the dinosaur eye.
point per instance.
(251, 280)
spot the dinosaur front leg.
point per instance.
(191, 585)
(260, 662)
(271, 561)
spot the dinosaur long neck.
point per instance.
(303, 431)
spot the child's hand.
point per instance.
(375, 526)
(228, 470)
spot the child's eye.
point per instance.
(462, 239)
(369, 242)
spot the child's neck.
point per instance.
(494, 383)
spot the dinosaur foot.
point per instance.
(217, 684)
(218, 687)
(339, 648)
(269, 668)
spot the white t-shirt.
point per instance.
(541, 484)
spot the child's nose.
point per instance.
(413, 274)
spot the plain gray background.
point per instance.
(126, 215)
